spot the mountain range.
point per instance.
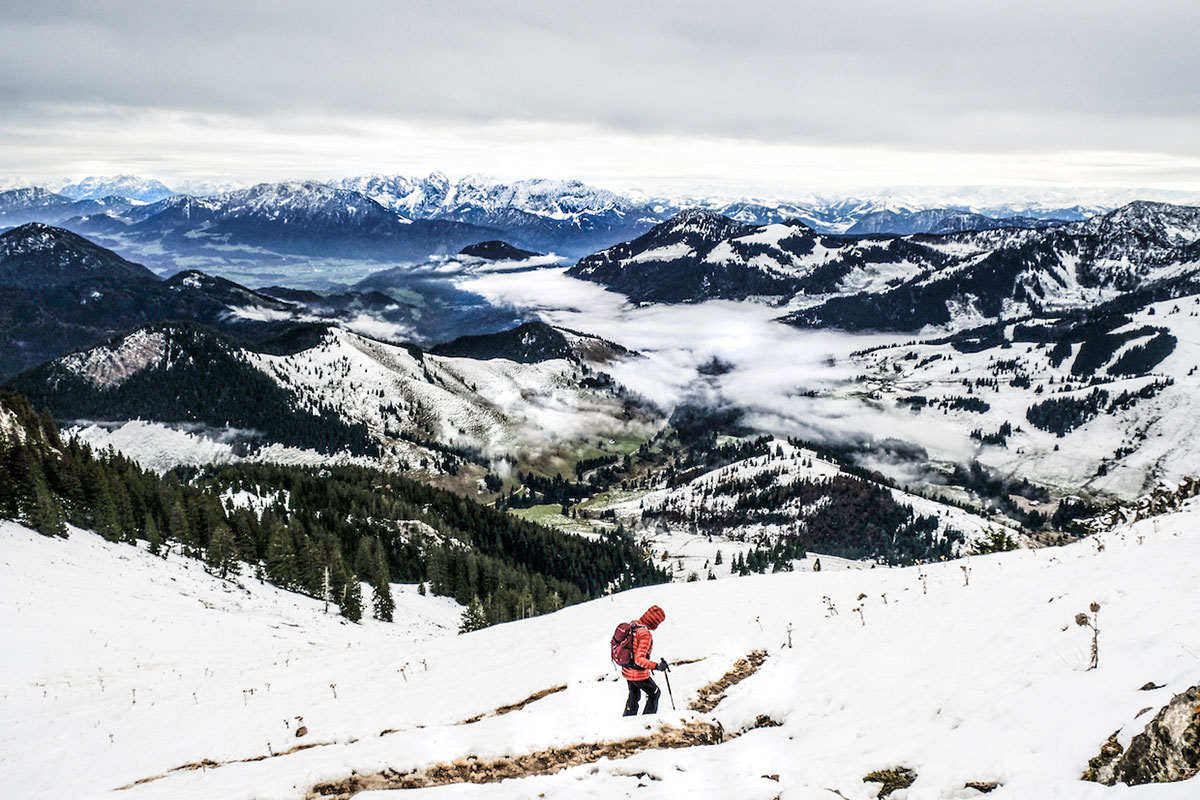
(1098, 300)
(61, 292)
(275, 226)
(330, 391)
(904, 283)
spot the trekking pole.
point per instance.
(670, 694)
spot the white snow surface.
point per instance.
(159, 447)
(1139, 447)
(109, 365)
(123, 666)
(693, 553)
(498, 405)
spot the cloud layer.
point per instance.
(1076, 92)
(775, 368)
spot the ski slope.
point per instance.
(123, 666)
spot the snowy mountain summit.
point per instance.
(39, 256)
(132, 187)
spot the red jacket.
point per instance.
(643, 643)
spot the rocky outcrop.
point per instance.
(1167, 750)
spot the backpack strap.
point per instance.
(633, 629)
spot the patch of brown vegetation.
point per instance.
(1100, 765)
(533, 698)
(208, 763)
(892, 779)
(712, 694)
(541, 762)
(983, 787)
(502, 710)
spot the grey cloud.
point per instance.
(930, 73)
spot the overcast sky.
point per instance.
(772, 98)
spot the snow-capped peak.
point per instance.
(143, 190)
(1172, 225)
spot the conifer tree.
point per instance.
(29, 497)
(153, 537)
(222, 553)
(177, 524)
(473, 617)
(243, 535)
(553, 602)
(381, 588)
(363, 561)
(352, 599)
(46, 516)
(281, 555)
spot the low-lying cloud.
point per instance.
(789, 381)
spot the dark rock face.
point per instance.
(496, 250)
(36, 256)
(1167, 751)
(529, 343)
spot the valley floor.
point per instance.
(124, 670)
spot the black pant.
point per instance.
(635, 692)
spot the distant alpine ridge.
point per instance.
(397, 218)
(1129, 256)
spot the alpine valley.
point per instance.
(277, 444)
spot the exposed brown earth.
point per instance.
(712, 694)
(541, 762)
(502, 710)
(208, 763)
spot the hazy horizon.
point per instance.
(915, 196)
(771, 99)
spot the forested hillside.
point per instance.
(316, 531)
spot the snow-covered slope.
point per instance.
(910, 282)
(392, 401)
(134, 672)
(716, 501)
(497, 405)
(1138, 433)
(699, 255)
(98, 670)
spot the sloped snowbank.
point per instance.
(985, 682)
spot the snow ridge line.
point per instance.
(208, 763)
(711, 695)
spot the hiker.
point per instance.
(637, 673)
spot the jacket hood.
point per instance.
(653, 617)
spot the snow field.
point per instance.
(159, 447)
(793, 464)
(175, 665)
(1153, 428)
(978, 682)
(497, 405)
